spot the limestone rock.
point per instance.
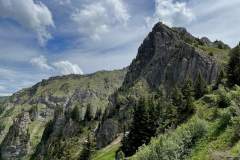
(16, 143)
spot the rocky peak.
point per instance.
(206, 41)
(166, 58)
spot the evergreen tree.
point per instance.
(219, 80)
(188, 93)
(200, 86)
(88, 114)
(153, 116)
(233, 70)
(75, 114)
(139, 131)
(177, 97)
(88, 149)
(98, 114)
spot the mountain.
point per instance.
(166, 58)
(58, 117)
(26, 114)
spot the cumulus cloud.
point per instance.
(60, 67)
(98, 17)
(171, 13)
(30, 14)
(66, 67)
(41, 62)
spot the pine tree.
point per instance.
(98, 114)
(88, 148)
(200, 86)
(177, 97)
(75, 114)
(88, 114)
(188, 93)
(233, 70)
(139, 131)
(153, 116)
(220, 78)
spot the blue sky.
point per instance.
(43, 38)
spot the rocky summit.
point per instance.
(168, 56)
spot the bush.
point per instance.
(236, 129)
(223, 100)
(174, 145)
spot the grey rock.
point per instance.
(106, 133)
(16, 143)
(166, 59)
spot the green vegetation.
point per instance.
(200, 86)
(222, 55)
(211, 133)
(233, 70)
(88, 148)
(155, 114)
(107, 153)
(173, 145)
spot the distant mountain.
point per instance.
(26, 114)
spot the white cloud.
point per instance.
(66, 67)
(98, 17)
(171, 13)
(216, 20)
(59, 67)
(41, 62)
(32, 15)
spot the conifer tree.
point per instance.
(98, 114)
(88, 148)
(177, 97)
(200, 86)
(88, 114)
(220, 78)
(139, 131)
(75, 114)
(233, 70)
(188, 93)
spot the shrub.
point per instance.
(223, 100)
(210, 54)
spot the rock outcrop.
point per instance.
(16, 143)
(166, 58)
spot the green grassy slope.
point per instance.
(220, 139)
(109, 152)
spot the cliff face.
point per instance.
(167, 57)
(16, 144)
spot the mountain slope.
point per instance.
(211, 134)
(25, 115)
